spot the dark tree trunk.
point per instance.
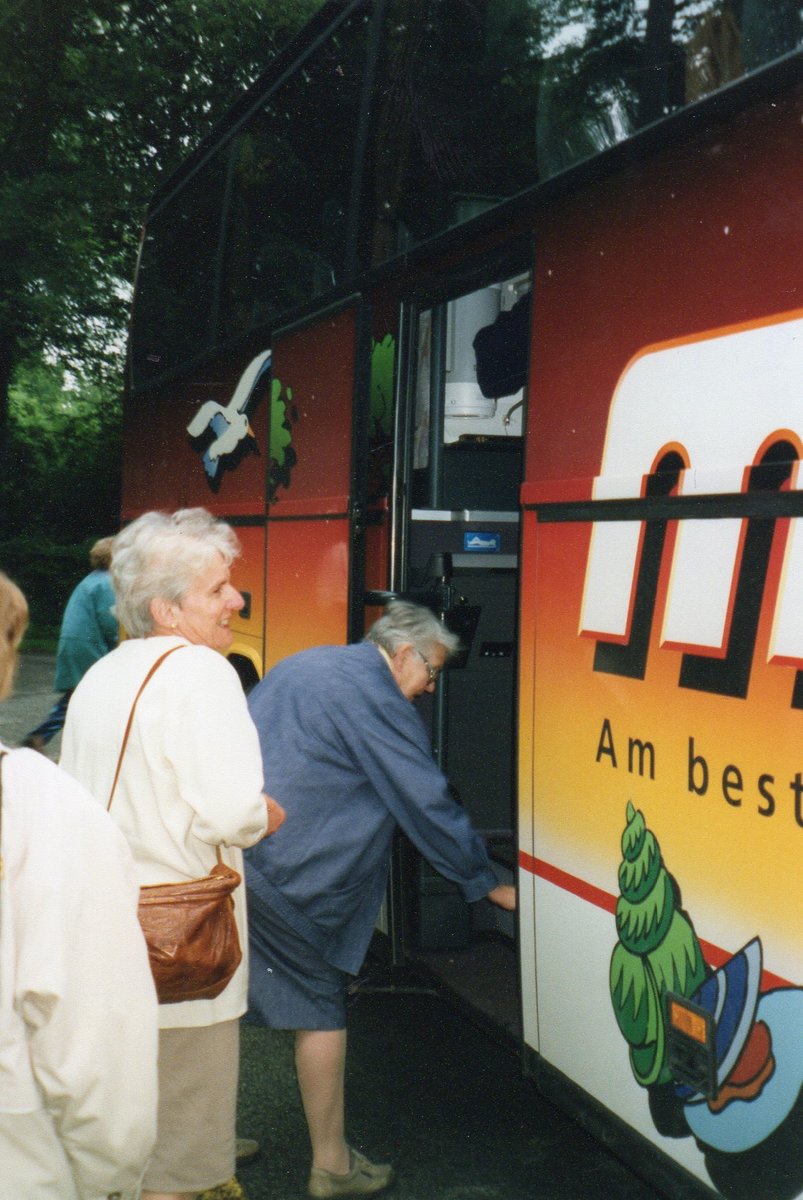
(7, 364)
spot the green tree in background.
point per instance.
(60, 489)
(99, 101)
(64, 447)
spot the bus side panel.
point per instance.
(248, 574)
(309, 514)
(667, 821)
(307, 592)
(201, 442)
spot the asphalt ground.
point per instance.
(31, 700)
(426, 1089)
(433, 1094)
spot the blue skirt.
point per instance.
(290, 986)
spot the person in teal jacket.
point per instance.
(347, 755)
(88, 631)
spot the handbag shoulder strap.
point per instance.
(142, 687)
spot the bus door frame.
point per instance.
(434, 292)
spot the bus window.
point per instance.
(619, 68)
(769, 30)
(455, 117)
(475, 102)
(291, 177)
(405, 120)
(176, 278)
(469, 399)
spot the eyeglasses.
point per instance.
(432, 672)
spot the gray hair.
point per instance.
(405, 622)
(161, 555)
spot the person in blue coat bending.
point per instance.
(88, 631)
(348, 757)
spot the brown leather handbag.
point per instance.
(193, 944)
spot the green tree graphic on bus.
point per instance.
(280, 438)
(383, 356)
(657, 951)
(380, 417)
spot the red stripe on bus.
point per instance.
(569, 883)
(715, 956)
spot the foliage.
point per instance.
(61, 489)
(47, 572)
(99, 101)
(63, 454)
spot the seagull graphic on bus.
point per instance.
(229, 424)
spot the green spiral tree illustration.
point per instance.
(657, 951)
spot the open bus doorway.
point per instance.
(464, 462)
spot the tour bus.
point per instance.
(497, 305)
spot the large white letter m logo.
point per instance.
(719, 415)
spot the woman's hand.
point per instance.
(276, 814)
(504, 894)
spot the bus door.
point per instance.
(465, 401)
(315, 516)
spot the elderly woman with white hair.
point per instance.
(78, 1033)
(190, 783)
(349, 758)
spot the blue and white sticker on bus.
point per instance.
(482, 543)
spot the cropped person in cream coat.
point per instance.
(78, 1011)
(191, 780)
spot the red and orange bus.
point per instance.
(497, 304)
